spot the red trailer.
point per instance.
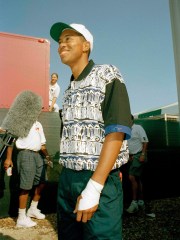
(25, 65)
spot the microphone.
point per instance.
(22, 114)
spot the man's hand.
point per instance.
(142, 158)
(84, 215)
(49, 161)
(88, 201)
(8, 163)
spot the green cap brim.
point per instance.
(57, 29)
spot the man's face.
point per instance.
(53, 79)
(71, 47)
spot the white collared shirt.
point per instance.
(138, 137)
(34, 140)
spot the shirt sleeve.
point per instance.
(41, 131)
(143, 134)
(116, 109)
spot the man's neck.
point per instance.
(78, 68)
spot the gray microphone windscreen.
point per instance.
(23, 112)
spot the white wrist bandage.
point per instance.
(90, 195)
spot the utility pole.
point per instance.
(174, 6)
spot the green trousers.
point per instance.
(106, 223)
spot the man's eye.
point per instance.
(67, 39)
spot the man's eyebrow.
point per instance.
(67, 35)
(71, 35)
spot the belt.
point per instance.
(135, 154)
(19, 150)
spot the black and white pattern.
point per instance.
(83, 125)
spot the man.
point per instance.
(137, 157)
(96, 123)
(54, 91)
(31, 169)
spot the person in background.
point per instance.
(54, 91)
(137, 144)
(31, 169)
(94, 141)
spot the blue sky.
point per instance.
(134, 35)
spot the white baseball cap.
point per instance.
(57, 29)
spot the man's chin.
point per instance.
(64, 61)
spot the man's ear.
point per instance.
(86, 46)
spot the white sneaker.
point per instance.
(25, 222)
(153, 215)
(35, 213)
(133, 207)
(141, 204)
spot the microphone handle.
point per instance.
(7, 140)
